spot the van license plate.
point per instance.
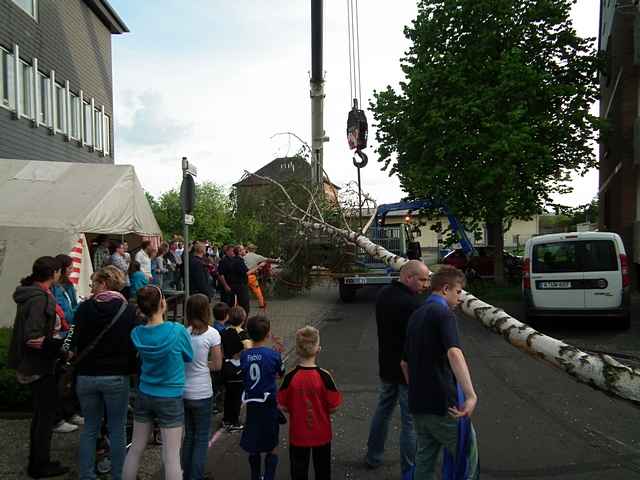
(552, 285)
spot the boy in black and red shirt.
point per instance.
(309, 394)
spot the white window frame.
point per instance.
(26, 90)
(44, 90)
(74, 116)
(107, 133)
(7, 73)
(60, 100)
(98, 135)
(87, 126)
(34, 13)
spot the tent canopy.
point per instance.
(47, 207)
(74, 197)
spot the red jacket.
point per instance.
(310, 395)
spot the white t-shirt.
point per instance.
(145, 262)
(198, 377)
(252, 260)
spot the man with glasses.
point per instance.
(441, 395)
(394, 305)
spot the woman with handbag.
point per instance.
(105, 359)
(34, 352)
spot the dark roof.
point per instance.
(108, 15)
(282, 170)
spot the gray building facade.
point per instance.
(56, 82)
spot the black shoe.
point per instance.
(52, 469)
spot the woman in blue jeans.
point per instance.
(164, 347)
(198, 391)
(103, 375)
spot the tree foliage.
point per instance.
(212, 213)
(493, 114)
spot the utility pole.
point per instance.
(317, 96)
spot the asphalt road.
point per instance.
(533, 422)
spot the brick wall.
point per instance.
(618, 210)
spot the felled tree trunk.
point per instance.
(599, 371)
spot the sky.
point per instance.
(215, 80)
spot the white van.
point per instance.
(577, 274)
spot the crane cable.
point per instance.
(353, 28)
(357, 127)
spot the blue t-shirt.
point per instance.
(138, 280)
(432, 331)
(260, 367)
(163, 349)
(219, 326)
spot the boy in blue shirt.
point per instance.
(220, 316)
(260, 367)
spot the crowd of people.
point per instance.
(132, 367)
(125, 354)
(232, 271)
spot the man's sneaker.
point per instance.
(103, 466)
(64, 427)
(236, 427)
(76, 419)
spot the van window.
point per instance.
(555, 257)
(600, 256)
(578, 256)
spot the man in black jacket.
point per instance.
(198, 274)
(394, 305)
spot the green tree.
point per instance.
(493, 114)
(212, 213)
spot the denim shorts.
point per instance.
(168, 412)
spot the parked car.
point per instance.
(577, 274)
(480, 262)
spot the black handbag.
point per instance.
(66, 370)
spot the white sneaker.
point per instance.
(64, 427)
(76, 419)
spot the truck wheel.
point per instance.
(347, 292)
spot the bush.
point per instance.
(13, 395)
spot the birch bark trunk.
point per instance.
(597, 370)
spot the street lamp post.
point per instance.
(188, 200)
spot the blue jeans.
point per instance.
(197, 427)
(390, 394)
(97, 394)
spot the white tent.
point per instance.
(46, 208)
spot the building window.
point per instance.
(29, 6)
(107, 135)
(25, 81)
(88, 131)
(76, 117)
(7, 97)
(45, 97)
(61, 108)
(98, 133)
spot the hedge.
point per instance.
(13, 395)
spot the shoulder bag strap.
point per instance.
(87, 350)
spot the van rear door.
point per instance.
(602, 274)
(556, 276)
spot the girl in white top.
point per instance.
(198, 391)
